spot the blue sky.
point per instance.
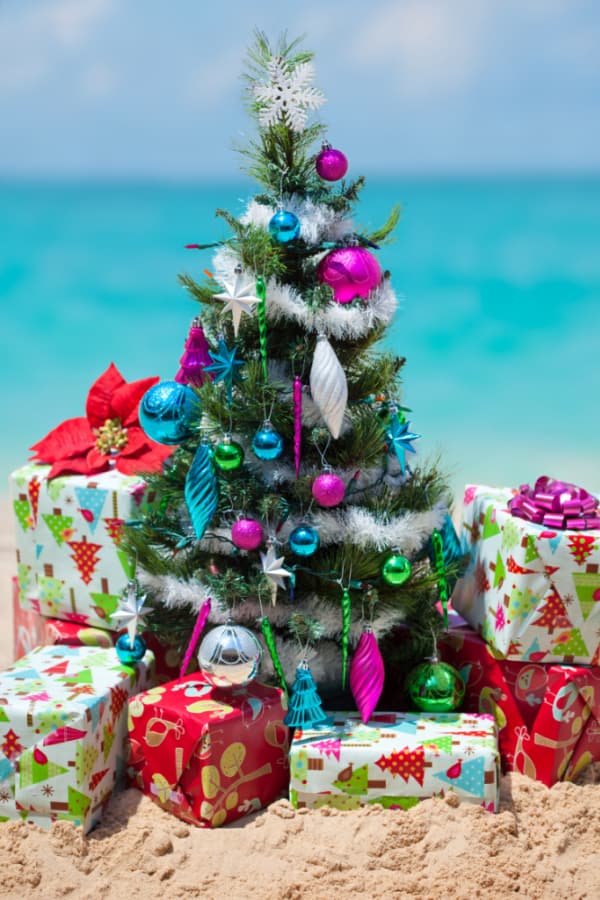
(118, 87)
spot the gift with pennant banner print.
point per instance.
(63, 725)
(532, 588)
(395, 760)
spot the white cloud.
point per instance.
(428, 47)
(34, 38)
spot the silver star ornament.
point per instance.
(273, 569)
(239, 297)
(132, 611)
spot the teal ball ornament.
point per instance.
(284, 227)
(304, 540)
(267, 443)
(128, 654)
(166, 412)
(435, 687)
(396, 570)
(228, 455)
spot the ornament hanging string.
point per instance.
(201, 618)
(442, 583)
(297, 423)
(261, 293)
(269, 637)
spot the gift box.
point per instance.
(395, 760)
(30, 629)
(532, 591)
(63, 724)
(70, 563)
(209, 755)
(548, 716)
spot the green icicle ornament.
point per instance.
(272, 648)
(346, 613)
(261, 293)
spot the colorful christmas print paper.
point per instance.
(532, 591)
(70, 564)
(63, 724)
(396, 760)
(548, 716)
(209, 755)
(30, 629)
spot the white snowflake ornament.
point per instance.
(288, 95)
(272, 568)
(239, 297)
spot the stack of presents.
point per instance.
(75, 721)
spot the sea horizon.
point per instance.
(498, 276)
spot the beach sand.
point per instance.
(543, 843)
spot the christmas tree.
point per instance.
(295, 502)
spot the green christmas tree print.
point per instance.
(51, 594)
(78, 803)
(570, 643)
(490, 526)
(59, 526)
(587, 586)
(520, 604)
(35, 767)
(85, 760)
(499, 571)
(510, 535)
(531, 552)
(23, 515)
(354, 781)
(105, 605)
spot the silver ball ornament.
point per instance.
(230, 656)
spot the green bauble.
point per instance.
(435, 686)
(396, 570)
(228, 455)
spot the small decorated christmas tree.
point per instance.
(295, 489)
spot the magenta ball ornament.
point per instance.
(247, 534)
(328, 489)
(331, 164)
(350, 272)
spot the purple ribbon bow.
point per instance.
(556, 504)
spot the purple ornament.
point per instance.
(350, 272)
(328, 489)
(331, 164)
(247, 534)
(195, 357)
(366, 674)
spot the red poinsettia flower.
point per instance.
(110, 435)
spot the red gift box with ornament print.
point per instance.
(31, 629)
(548, 716)
(209, 755)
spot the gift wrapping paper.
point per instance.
(548, 716)
(532, 591)
(396, 760)
(209, 755)
(63, 725)
(31, 629)
(70, 564)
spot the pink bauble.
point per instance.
(331, 164)
(247, 534)
(350, 272)
(328, 489)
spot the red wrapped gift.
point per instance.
(31, 629)
(548, 716)
(209, 755)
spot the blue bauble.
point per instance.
(304, 540)
(267, 443)
(284, 226)
(128, 654)
(166, 411)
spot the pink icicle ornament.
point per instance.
(200, 623)
(297, 423)
(367, 674)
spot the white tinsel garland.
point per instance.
(318, 223)
(336, 320)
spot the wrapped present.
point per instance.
(532, 589)
(70, 564)
(63, 724)
(206, 754)
(31, 629)
(395, 760)
(548, 716)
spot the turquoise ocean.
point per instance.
(499, 282)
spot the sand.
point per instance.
(543, 844)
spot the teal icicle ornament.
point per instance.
(261, 293)
(305, 708)
(272, 648)
(346, 616)
(201, 495)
